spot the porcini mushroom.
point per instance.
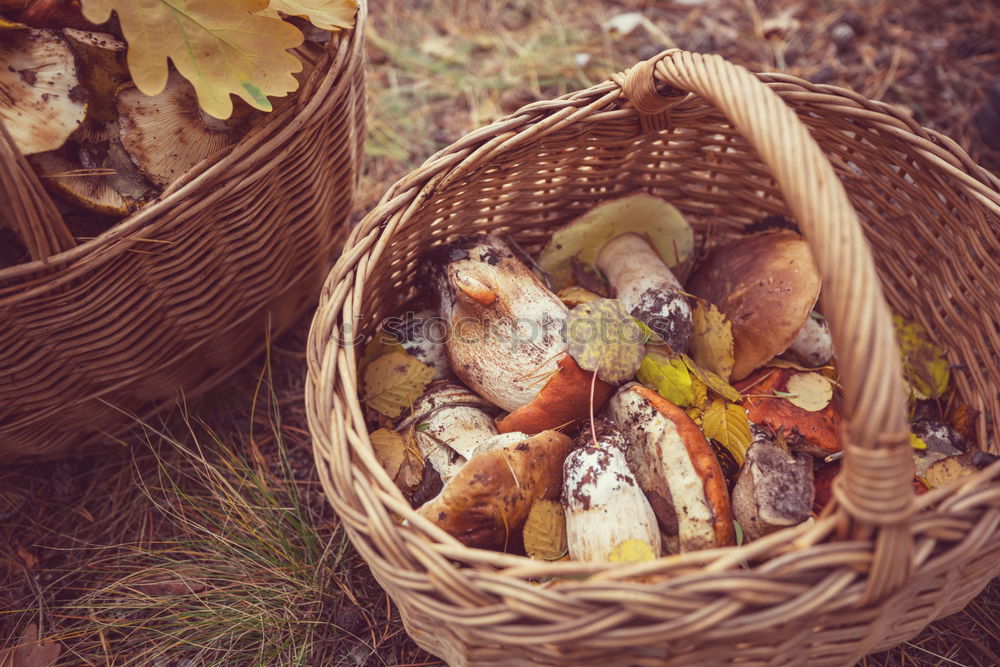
(648, 289)
(676, 468)
(167, 134)
(486, 503)
(450, 423)
(423, 335)
(813, 345)
(774, 489)
(604, 505)
(766, 285)
(505, 337)
(658, 222)
(41, 100)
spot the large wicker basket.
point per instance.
(177, 296)
(865, 183)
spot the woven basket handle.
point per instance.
(27, 209)
(875, 487)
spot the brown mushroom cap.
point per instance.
(41, 100)
(564, 399)
(486, 504)
(766, 285)
(167, 134)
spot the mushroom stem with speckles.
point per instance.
(813, 345)
(774, 490)
(604, 505)
(647, 287)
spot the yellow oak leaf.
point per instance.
(712, 340)
(545, 530)
(324, 14)
(727, 423)
(222, 48)
(394, 381)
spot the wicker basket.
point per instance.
(726, 147)
(177, 296)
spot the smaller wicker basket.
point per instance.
(177, 296)
(893, 212)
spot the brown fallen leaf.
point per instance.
(31, 652)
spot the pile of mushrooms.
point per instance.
(98, 144)
(512, 422)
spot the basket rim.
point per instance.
(451, 162)
(343, 46)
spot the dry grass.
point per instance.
(208, 541)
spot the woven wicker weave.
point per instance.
(879, 564)
(178, 295)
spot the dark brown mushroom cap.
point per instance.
(766, 285)
(486, 504)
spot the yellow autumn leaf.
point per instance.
(669, 377)
(394, 381)
(712, 340)
(222, 48)
(712, 381)
(728, 424)
(545, 530)
(390, 448)
(324, 14)
(924, 365)
(917, 442)
(575, 295)
(632, 551)
(809, 391)
(601, 336)
(382, 343)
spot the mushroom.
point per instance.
(167, 134)
(450, 423)
(423, 335)
(940, 441)
(648, 289)
(813, 345)
(657, 221)
(766, 285)
(41, 100)
(774, 489)
(505, 337)
(101, 63)
(98, 176)
(676, 468)
(815, 432)
(604, 505)
(485, 505)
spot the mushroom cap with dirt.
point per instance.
(486, 504)
(41, 99)
(766, 285)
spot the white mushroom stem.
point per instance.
(423, 335)
(604, 505)
(450, 425)
(646, 286)
(774, 490)
(813, 345)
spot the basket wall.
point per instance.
(179, 295)
(800, 596)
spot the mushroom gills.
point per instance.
(604, 505)
(650, 291)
